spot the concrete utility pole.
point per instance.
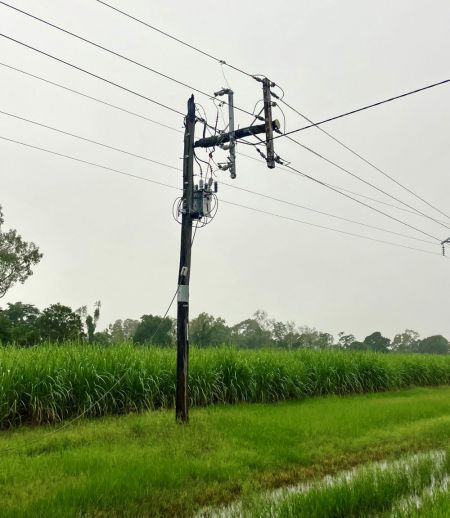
(182, 405)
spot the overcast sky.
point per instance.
(112, 238)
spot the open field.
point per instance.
(144, 465)
(47, 384)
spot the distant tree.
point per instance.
(434, 345)
(325, 340)
(155, 330)
(345, 341)
(311, 338)
(122, 330)
(102, 338)
(205, 330)
(22, 323)
(377, 342)
(58, 323)
(129, 327)
(357, 346)
(5, 329)
(284, 334)
(16, 258)
(406, 342)
(253, 333)
(116, 332)
(90, 321)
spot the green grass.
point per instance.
(144, 465)
(50, 383)
(366, 491)
(436, 505)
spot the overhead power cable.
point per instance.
(138, 94)
(77, 92)
(87, 162)
(207, 54)
(363, 108)
(359, 178)
(58, 130)
(274, 214)
(286, 202)
(96, 142)
(296, 171)
(165, 33)
(281, 168)
(92, 98)
(121, 56)
(137, 177)
(343, 192)
(365, 160)
(76, 67)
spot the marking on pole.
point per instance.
(183, 293)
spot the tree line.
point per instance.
(25, 325)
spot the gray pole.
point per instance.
(182, 397)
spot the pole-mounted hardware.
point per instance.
(443, 243)
(238, 134)
(270, 159)
(232, 146)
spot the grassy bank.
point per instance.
(50, 383)
(144, 465)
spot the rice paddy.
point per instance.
(49, 383)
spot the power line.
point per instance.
(92, 98)
(88, 140)
(77, 92)
(150, 120)
(358, 201)
(207, 54)
(281, 168)
(137, 177)
(296, 171)
(58, 130)
(142, 96)
(365, 160)
(87, 162)
(367, 107)
(354, 175)
(274, 214)
(291, 107)
(117, 54)
(326, 213)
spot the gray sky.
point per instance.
(112, 238)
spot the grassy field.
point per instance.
(47, 384)
(144, 465)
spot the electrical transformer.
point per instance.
(201, 203)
